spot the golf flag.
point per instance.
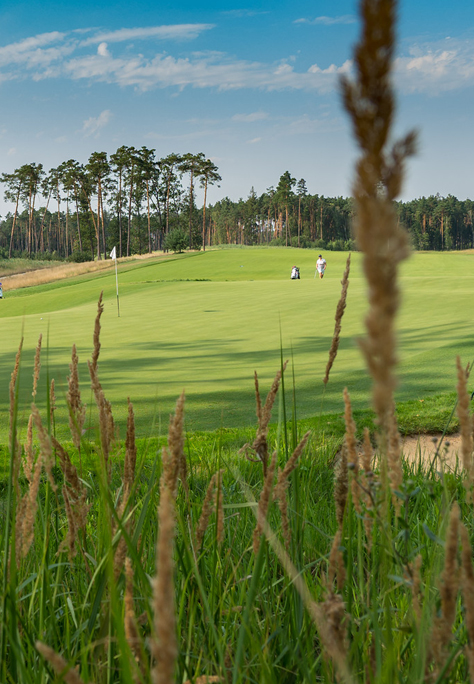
(113, 255)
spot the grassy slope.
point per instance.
(209, 336)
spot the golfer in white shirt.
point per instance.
(321, 266)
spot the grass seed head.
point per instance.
(341, 486)
(394, 459)
(468, 594)
(220, 508)
(67, 673)
(341, 306)
(37, 367)
(465, 422)
(96, 336)
(131, 629)
(46, 448)
(264, 501)
(369, 100)
(281, 486)
(207, 509)
(260, 443)
(77, 412)
(164, 645)
(130, 452)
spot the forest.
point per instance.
(140, 203)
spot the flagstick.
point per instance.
(116, 282)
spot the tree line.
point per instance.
(140, 203)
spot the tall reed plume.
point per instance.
(66, 672)
(260, 444)
(282, 485)
(465, 424)
(442, 633)
(164, 644)
(75, 498)
(127, 484)
(351, 450)
(210, 500)
(174, 459)
(468, 595)
(77, 411)
(264, 502)
(341, 307)
(106, 421)
(369, 101)
(37, 367)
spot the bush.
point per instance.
(78, 257)
(176, 240)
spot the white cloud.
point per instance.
(430, 68)
(243, 13)
(250, 118)
(436, 68)
(11, 152)
(328, 21)
(171, 32)
(253, 141)
(102, 50)
(212, 70)
(93, 125)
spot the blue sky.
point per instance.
(253, 86)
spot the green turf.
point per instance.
(206, 321)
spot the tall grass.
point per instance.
(269, 564)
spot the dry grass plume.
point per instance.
(341, 306)
(264, 502)
(282, 485)
(163, 644)
(260, 444)
(66, 672)
(369, 101)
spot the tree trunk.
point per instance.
(148, 211)
(129, 213)
(191, 210)
(14, 221)
(204, 219)
(77, 219)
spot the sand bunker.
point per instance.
(425, 446)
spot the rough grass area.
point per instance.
(205, 322)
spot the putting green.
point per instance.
(204, 322)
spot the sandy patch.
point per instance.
(425, 446)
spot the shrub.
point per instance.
(176, 240)
(78, 257)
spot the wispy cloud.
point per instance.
(250, 118)
(328, 21)
(243, 13)
(93, 125)
(253, 141)
(170, 32)
(434, 68)
(102, 58)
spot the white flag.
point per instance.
(113, 254)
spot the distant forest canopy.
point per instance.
(139, 203)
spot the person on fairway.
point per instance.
(321, 266)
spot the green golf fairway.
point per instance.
(204, 322)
